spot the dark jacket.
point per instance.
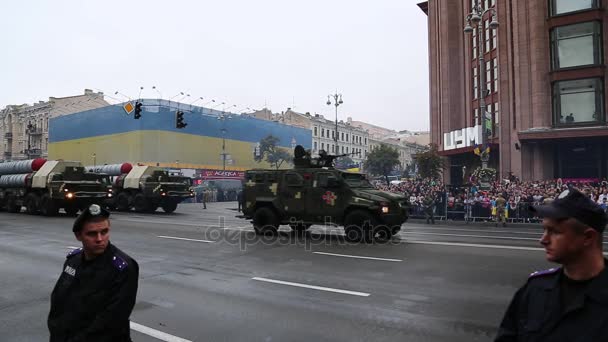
(535, 313)
(92, 300)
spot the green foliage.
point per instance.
(382, 160)
(272, 153)
(430, 164)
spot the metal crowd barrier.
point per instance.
(476, 212)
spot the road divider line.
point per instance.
(476, 236)
(320, 288)
(156, 333)
(462, 244)
(358, 257)
(181, 238)
(72, 247)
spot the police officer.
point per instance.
(569, 302)
(95, 294)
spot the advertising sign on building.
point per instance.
(219, 174)
(465, 137)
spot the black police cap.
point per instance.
(574, 204)
(94, 210)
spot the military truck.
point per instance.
(45, 187)
(314, 192)
(144, 188)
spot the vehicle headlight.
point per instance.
(385, 210)
(69, 195)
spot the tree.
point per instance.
(430, 164)
(382, 161)
(272, 153)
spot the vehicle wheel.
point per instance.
(32, 204)
(71, 209)
(382, 233)
(123, 202)
(11, 205)
(265, 221)
(48, 206)
(300, 227)
(140, 203)
(169, 206)
(358, 226)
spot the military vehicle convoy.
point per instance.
(314, 192)
(144, 188)
(44, 187)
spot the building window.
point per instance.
(333, 150)
(365, 141)
(333, 134)
(489, 81)
(495, 120)
(578, 101)
(475, 84)
(346, 149)
(567, 6)
(322, 133)
(494, 39)
(315, 131)
(322, 146)
(576, 45)
(495, 61)
(342, 136)
(315, 146)
(474, 37)
(342, 149)
(487, 37)
(347, 137)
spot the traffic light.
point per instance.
(137, 114)
(179, 120)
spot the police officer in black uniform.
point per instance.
(569, 302)
(95, 294)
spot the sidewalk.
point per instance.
(458, 223)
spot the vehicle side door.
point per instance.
(326, 198)
(293, 194)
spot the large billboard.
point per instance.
(109, 135)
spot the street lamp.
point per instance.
(223, 117)
(474, 20)
(337, 100)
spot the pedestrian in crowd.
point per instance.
(429, 207)
(501, 208)
(570, 302)
(204, 197)
(239, 199)
(96, 291)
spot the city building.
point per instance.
(211, 140)
(24, 129)
(543, 70)
(350, 140)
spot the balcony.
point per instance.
(33, 153)
(34, 131)
(8, 135)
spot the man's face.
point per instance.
(561, 241)
(94, 237)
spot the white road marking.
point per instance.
(185, 239)
(459, 244)
(477, 236)
(487, 230)
(320, 288)
(72, 247)
(358, 257)
(156, 333)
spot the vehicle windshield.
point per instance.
(356, 180)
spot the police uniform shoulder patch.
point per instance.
(544, 272)
(119, 263)
(74, 252)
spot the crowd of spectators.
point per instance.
(472, 202)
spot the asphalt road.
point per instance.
(205, 276)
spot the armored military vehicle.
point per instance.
(144, 188)
(314, 192)
(45, 187)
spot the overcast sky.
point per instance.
(278, 53)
